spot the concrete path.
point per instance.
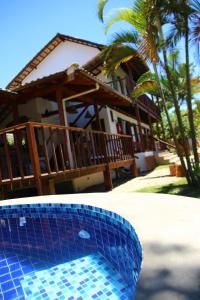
(154, 178)
(169, 229)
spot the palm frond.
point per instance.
(145, 77)
(126, 15)
(114, 55)
(195, 4)
(147, 47)
(129, 37)
(100, 9)
(195, 34)
(148, 86)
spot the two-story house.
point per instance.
(61, 119)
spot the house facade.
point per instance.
(77, 124)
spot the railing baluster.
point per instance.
(45, 151)
(33, 151)
(112, 147)
(88, 148)
(65, 132)
(92, 147)
(60, 148)
(77, 148)
(18, 145)
(53, 150)
(73, 149)
(8, 159)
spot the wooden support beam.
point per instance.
(60, 106)
(49, 187)
(133, 169)
(108, 179)
(97, 117)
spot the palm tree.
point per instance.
(142, 21)
(147, 84)
(146, 25)
(186, 14)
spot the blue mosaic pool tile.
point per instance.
(50, 232)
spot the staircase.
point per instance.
(165, 157)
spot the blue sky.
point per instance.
(27, 25)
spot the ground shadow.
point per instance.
(181, 190)
(168, 283)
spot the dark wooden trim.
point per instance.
(118, 164)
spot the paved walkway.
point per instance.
(169, 229)
(154, 178)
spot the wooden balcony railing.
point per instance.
(35, 150)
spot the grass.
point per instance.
(161, 167)
(178, 188)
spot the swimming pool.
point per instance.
(67, 251)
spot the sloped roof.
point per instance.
(95, 65)
(80, 81)
(44, 52)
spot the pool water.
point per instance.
(86, 277)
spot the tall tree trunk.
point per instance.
(179, 152)
(176, 106)
(161, 121)
(189, 96)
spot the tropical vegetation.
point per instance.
(156, 29)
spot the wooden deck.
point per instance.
(42, 154)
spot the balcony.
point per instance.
(37, 153)
(125, 86)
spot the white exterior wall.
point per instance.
(34, 108)
(82, 183)
(117, 115)
(62, 57)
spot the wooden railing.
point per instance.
(149, 105)
(164, 144)
(33, 150)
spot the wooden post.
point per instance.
(66, 139)
(140, 128)
(97, 117)
(33, 151)
(49, 187)
(3, 192)
(108, 179)
(60, 107)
